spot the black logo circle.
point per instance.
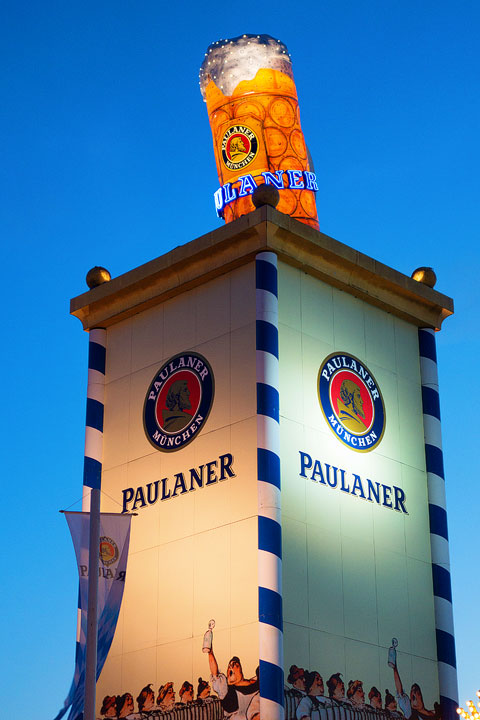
(178, 401)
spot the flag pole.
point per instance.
(92, 475)
(92, 603)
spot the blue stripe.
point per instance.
(431, 402)
(269, 536)
(448, 708)
(438, 520)
(271, 682)
(426, 341)
(96, 357)
(94, 414)
(268, 467)
(267, 337)
(270, 607)
(268, 401)
(442, 586)
(266, 276)
(92, 472)
(434, 459)
(446, 648)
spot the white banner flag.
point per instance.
(112, 569)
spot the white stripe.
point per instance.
(93, 443)
(95, 390)
(95, 377)
(86, 499)
(271, 644)
(270, 710)
(447, 680)
(268, 434)
(443, 615)
(269, 501)
(267, 369)
(98, 335)
(268, 257)
(433, 430)
(436, 490)
(270, 571)
(440, 552)
(428, 371)
(267, 305)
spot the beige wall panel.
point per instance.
(356, 573)
(192, 557)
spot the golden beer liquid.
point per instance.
(268, 105)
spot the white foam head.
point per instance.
(228, 62)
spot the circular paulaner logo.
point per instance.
(351, 401)
(178, 401)
(108, 551)
(239, 147)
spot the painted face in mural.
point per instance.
(204, 693)
(358, 697)
(375, 698)
(317, 688)
(300, 683)
(166, 696)
(336, 687)
(127, 707)
(416, 697)
(392, 705)
(149, 702)
(296, 678)
(186, 692)
(109, 709)
(146, 699)
(234, 671)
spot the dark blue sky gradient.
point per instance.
(107, 160)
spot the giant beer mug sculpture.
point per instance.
(247, 83)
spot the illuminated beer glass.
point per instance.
(247, 83)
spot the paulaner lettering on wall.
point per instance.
(388, 496)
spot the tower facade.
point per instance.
(273, 419)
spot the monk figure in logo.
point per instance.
(350, 406)
(237, 147)
(178, 400)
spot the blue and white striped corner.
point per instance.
(92, 465)
(268, 469)
(447, 666)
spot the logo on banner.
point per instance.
(108, 551)
(351, 402)
(178, 401)
(239, 147)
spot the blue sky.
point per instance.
(107, 160)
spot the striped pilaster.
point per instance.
(447, 667)
(92, 465)
(268, 474)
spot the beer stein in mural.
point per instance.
(208, 637)
(247, 83)
(392, 653)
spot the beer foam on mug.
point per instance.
(228, 62)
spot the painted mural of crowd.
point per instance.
(235, 697)
(149, 703)
(238, 698)
(308, 692)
